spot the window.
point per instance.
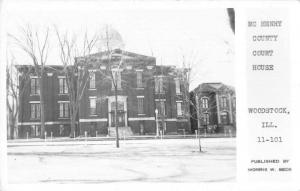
(63, 88)
(35, 111)
(63, 109)
(159, 85)
(206, 118)
(179, 108)
(35, 86)
(35, 131)
(233, 102)
(92, 80)
(204, 102)
(224, 118)
(223, 101)
(61, 130)
(177, 84)
(139, 77)
(161, 107)
(140, 105)
(116, 79)
(92, 106)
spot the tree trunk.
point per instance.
(16, 131)
(73, 126)
(116, 121)
(42, 105)
(11, 126)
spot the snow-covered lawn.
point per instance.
(168, 160)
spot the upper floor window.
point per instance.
(140, 105)
(116, 79)
(92, 80)
(177, 85)
(223, 101)
(63, 87)
(63, 109)
(204, 102)
(35, 111)
(179, 108)
(34, 86)
(139, 78)
(159, 84)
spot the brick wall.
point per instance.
(99, 123)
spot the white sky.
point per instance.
(202, 35)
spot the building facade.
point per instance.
(150, 98)
(56, 100)
(214, 106)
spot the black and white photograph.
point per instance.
(119, 92)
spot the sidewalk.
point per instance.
(90, 140)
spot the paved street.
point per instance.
(168, 160)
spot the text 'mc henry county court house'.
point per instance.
(151, 98)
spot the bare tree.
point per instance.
(75, 69)
(114, 73)
(186, 76)
(69, 52)
(36, 48)
(193, 98)
(14, 91)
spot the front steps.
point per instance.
(123, 131)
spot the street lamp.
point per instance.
(156, 120)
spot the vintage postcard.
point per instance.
(149, 95)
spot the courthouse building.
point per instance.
(214, 104)
(151, 98)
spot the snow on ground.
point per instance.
(168, 160)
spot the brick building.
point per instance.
(56, 100)
(150, 98)
(216, 108)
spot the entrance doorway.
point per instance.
(162, 126)
(120, 119)
(121, 107)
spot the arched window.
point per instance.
(204, 102)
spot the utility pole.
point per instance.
(198, 118)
